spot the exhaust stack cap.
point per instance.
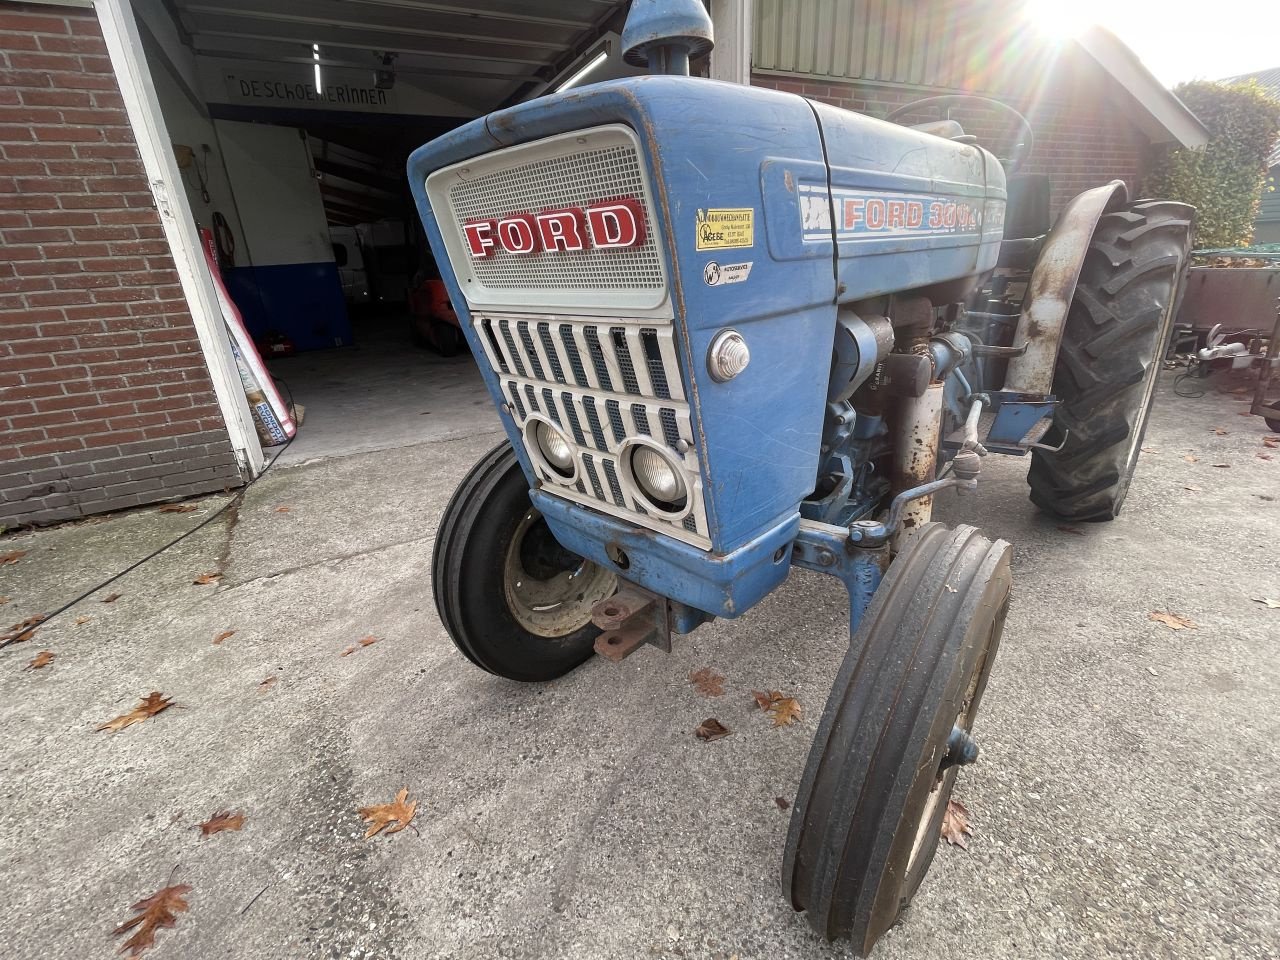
(665, 34)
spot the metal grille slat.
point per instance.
(615, 420)
(550, 352)
(641, 419)
(593, 419)
(571, 412)
(571, 350)
(614, 487)
(651, 350)
(622, 355)
(589, 462)
(598, 360)
(639, 364)
(670, 432)
(512, 354)
(530, 352)
(513, 393)
(549, 403)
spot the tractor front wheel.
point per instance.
(513, 600)
(1118, 327)
(896, 729)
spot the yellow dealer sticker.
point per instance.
(722, 229)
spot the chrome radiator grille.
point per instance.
(603, 382)
(568, 171)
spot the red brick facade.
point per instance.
(105, 397)
(1082, 139)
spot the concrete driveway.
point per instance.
(1125, 804)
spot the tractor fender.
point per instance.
(1053, 284)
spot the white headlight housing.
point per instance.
(658, 479)
(554, 448)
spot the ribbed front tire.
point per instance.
(1117, 331)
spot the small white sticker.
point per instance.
(718, 274)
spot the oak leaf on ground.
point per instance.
(782, 802)
(1223, 466)
(381, 815)
(711, 729)
(81, 621)
(156, 912)
(13, 556)
(1171, 620)
(41, 659)
(1063, 528)
(1191, 458)
(223, 636)
(283, 509)
(267, 684)
(1270, 602)
(206, 578)
(153, 703)
(110, 598)
(707, 682)
(783, 710)
(222, 820)
(1220, 432)
(176, 508)
(955, 825)
(1271, 441)
(4, 600)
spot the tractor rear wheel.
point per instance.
(895, 731)
(1117, 330)
(513, 600)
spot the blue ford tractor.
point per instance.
(732, 331)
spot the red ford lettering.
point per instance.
(561, 230)
(479, 235)
(614, 225)
(609, 225)
(516, 234)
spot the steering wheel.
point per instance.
(1026, 136)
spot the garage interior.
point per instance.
(291, 126)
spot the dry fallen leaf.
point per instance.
(711, 729)
(362, 642)
(955, 825)
(1076, 530)
(1193, 488)
(1220, 432)
(267, 684)
(1219, 464)
(782, 802)
(381, 815)
(222, 820)
(1191, 458)
(22, 630)
(110, 598)
(81, 621)
(765, 697)
(153, 703)
(206, 578)
(176, 508)
(45, 657)
(1171, 620)
(1150, 450)
(1264, 456)
(13, 556)
(1271, 441)
(1270, 602)
(707, 682)
(783, 710)
(4, 600)
(154, 913)
(282, 509)
(223, 636)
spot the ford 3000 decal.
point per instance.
(867, 214)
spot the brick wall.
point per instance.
(105, 398)
(1082, 137)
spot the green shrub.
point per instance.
(1224, 180)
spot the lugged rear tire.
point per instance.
(1117, 331)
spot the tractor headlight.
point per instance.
(554, 447)
(658, 478)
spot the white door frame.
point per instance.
(120, 31)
